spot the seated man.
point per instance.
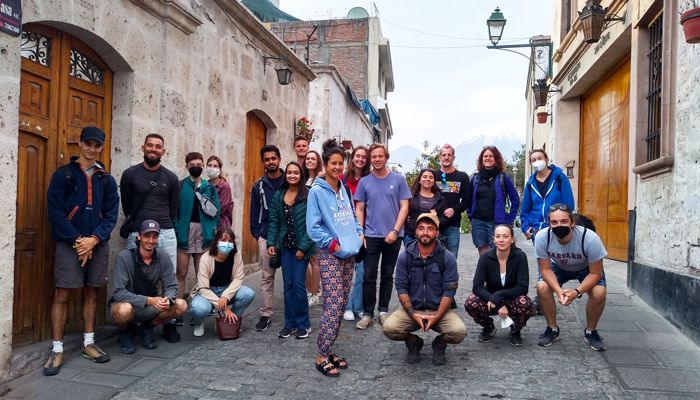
(426, 281)
(567, 251)
(135, 298)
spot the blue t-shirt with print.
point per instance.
(382, 198)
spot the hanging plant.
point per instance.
(303, 128)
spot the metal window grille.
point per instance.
(653, 137)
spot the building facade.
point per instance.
(194, 72)
(626, 122)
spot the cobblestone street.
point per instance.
(646, 358)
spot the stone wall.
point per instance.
(194, 89)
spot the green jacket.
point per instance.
(182, 221)
(277, 227)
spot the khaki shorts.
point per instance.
(69, 274)
(195, 239)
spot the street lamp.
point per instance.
(593, 20)
(284, 75)
(496, 23)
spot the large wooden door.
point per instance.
(256, 134)
(64, 86)
(604, 156)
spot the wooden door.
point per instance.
(256, 134)
(51, 63)
(604, 156)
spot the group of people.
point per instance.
(331, 221)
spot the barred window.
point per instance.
(653, 136)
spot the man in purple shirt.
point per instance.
(381, 204)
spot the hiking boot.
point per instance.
(126, 344)
(365, 322)
(382, 318)
(515, 338)
(170, 333)
(53, 364)
(303, 333)
(198, 330)
(548, 337)
(95, 354)
(263, 324)
(439, 347)
(595, 341)
(286, 332)
(413, 350)
(487, 333)
(147, 340)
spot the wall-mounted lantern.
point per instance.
(284, 74)
(594, 21)
(570, 169)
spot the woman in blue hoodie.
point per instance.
(332, 225)
(548, 185)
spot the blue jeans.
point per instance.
(408, 239)
(452, 235)
(296, 305)
(167, 244)
(355, 300)
(201, 307)
(482, 233)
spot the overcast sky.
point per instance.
(449, 87)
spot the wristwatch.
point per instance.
(579, 293)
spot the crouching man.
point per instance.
(135, 299)
(426, 281)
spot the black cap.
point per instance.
(149, 225)
(92, 133)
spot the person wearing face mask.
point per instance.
(566, 251)
(198, 216)
(151, 191)
(286, 233)
(220, 283)
(548, 185)
(223, 190)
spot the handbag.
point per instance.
(207, 205)
(228, 330)
(125, 229)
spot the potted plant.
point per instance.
(542, 117)
(303, 128)
(690, 19)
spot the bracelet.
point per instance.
(395, 232)
(579, 293)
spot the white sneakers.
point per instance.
(199, 329)
(313, 299)
(349, 316)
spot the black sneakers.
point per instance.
(263, 324)
(303, 333)
(170, 333)
(284, 333)
(147, 340)
(515, 338)
(595, 341)
(126, 344)
(486, 334)
(548, 337)
(439, 347)
(413, 350)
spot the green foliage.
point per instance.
(428, 159)
(515, 167)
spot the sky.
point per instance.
(448, 86)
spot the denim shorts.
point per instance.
(565, 276)
(482, 233)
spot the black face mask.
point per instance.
(151, 162)
(196, 172)
(561, 231)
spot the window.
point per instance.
(654, 55)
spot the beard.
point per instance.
(427, 240)
(151, 161)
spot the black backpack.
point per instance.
(441, 266)
(72, 185)
(581, 220)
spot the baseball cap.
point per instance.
(431, 216)
(92, 133)
(149, 225)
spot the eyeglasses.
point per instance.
(560, 207)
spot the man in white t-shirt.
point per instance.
(564, 252)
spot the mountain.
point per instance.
(466, 152)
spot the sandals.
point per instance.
(337, 361)
(322, 368)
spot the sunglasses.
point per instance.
(444, 178)
(560, 207)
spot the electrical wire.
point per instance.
(436, 34)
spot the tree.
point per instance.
(515, 167)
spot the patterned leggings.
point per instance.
(519, 310)
(336, 279)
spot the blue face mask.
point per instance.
(225, 247)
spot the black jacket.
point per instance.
(414, 211)
(487, 278)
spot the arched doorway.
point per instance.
(256, 137)
(64, 86)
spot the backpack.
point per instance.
(72, 185)
(441, 266)
(502, 175)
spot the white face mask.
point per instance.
(539, 165)
(213, 172)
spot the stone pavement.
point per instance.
(646, 358)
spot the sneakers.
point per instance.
(595, 341)
(313, 299)
(285, 333)
(94, 353)
(303, 333)
(365, 322)
(382, 318)
(147, 340)
(439, 347)
(199, 329)
(126, 344)
(486, 334)
(53, 364)
(179, 321)
(263, 324)
(349, 315)
(170, 333)
(515, 338)
(413, 350)
(548, 337)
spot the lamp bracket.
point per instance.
(267, 58)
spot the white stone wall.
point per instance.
(194, 89)
(332, 113)
(668, 205)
